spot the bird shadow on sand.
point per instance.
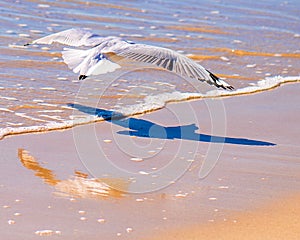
(147, 129)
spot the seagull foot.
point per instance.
(82, 77)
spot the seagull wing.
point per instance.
(81, 61)
(84, 61)
(72, 37)
(170, 60)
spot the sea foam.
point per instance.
(152, 103)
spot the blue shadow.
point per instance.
(147, 129)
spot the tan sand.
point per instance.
(280, 220)
(47, 188)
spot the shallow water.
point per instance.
(241, 41)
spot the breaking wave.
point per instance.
(151, 103)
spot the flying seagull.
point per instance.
(98, 58)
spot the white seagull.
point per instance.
(98, 58)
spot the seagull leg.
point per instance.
(82, 77)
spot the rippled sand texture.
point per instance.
(241, 42)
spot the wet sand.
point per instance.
(47, 189)
(79, 183)
(280, 220)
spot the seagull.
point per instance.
(102, 55)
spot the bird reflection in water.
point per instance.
(78, 185)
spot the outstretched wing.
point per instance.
(72, 37)
(83, 62)
(170, 60)
(86, 62)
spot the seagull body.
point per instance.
(99, 57)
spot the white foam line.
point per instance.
(48, 104)
(262, 85)
(23, 115)
(38, 100)
(150, 103)
(14, 124)
(9, 98)
(148, 87)
(49, 126)
(164, 84)
(155, 102)
(6, 110)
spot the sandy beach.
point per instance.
(251, 193)
(280, 220)
(188, 161)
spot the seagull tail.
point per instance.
(218, 82)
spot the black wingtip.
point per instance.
(217, 79)
(82, 77)
(26, 44)
(226, 87)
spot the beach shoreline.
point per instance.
(48, 171)
(154, 155)
(266, 84)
